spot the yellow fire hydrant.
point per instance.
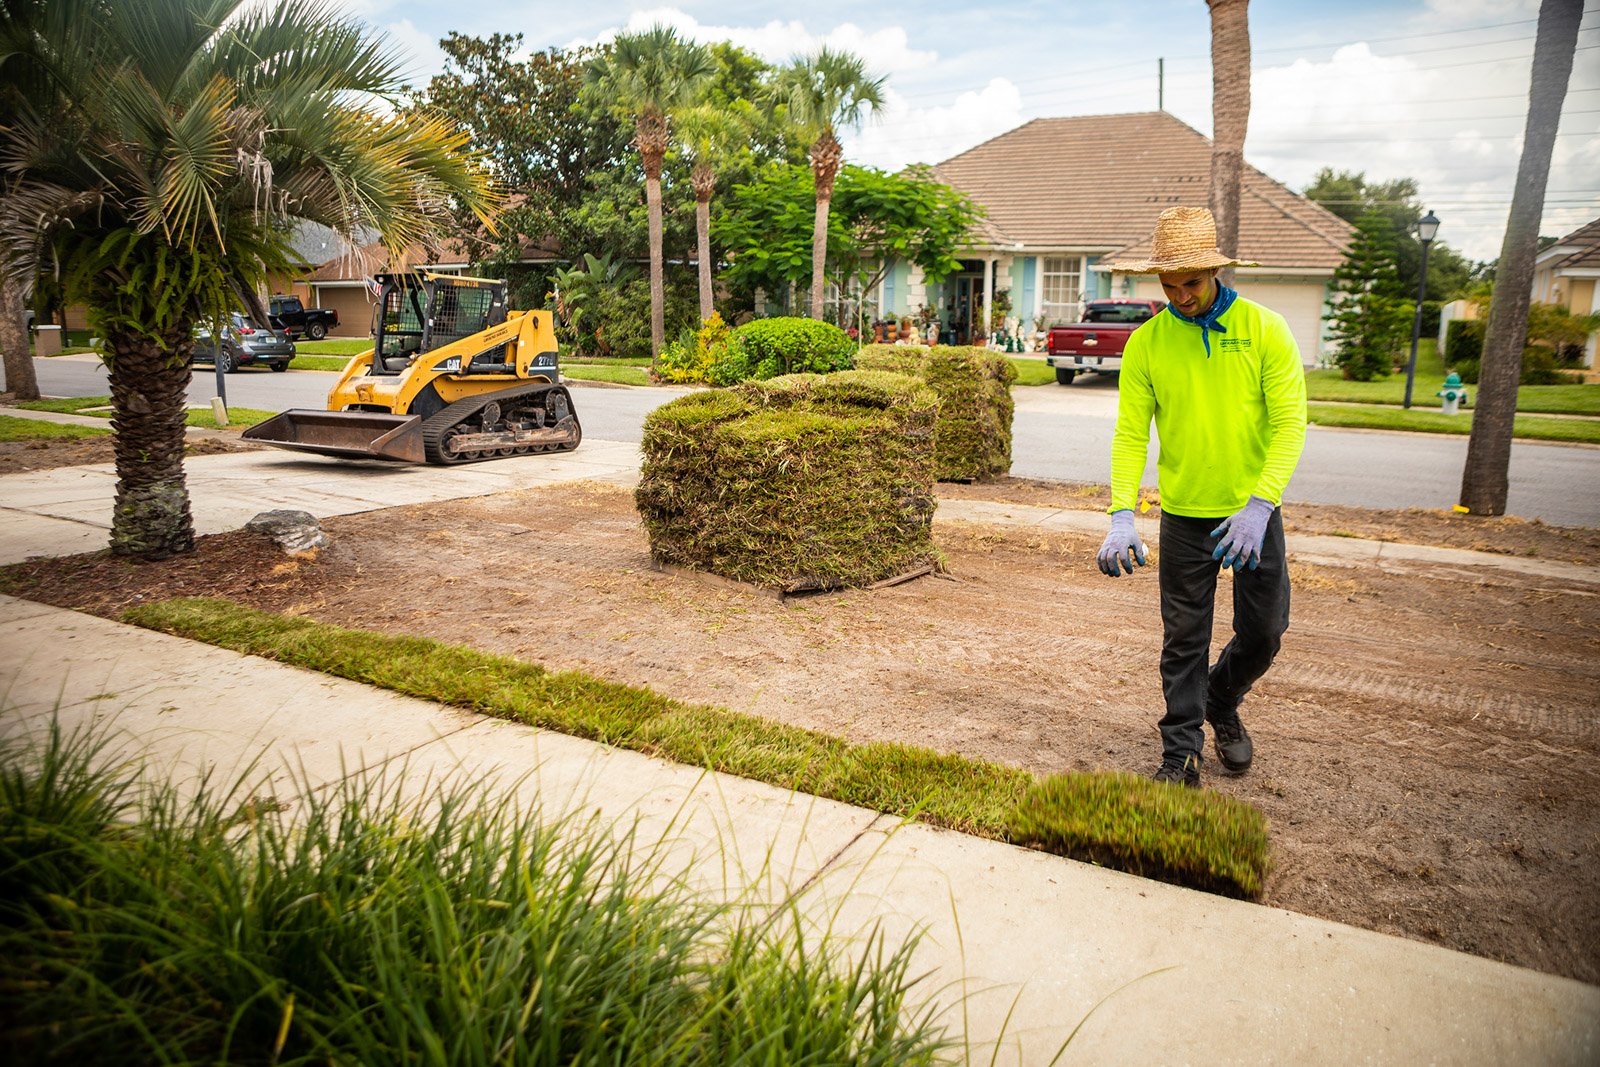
(1453, 395)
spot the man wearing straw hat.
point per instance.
(1221, 377)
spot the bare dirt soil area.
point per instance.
(1427, 748)
(48, 453)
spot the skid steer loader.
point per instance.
(453, 377)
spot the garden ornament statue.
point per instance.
(1453, 395)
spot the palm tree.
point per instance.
(708, 135)
(647, 76)
(825, 92)
(163, 169)
(1485, 479)
(1230, 117)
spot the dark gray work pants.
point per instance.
(1188, 592)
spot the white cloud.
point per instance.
(905, 134)
(423, 55)
(1456, 127)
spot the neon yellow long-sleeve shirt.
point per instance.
(1232, 425)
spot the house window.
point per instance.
(1061, 288)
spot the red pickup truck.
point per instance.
(1095, 344)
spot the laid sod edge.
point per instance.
(1190, 837)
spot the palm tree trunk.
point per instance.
(1230, 118)
(149, 383)
(658, 297)
(705, 184)
(819, 256)
(702, 225)
(826, 157)
(1485, 480)
(21, 382)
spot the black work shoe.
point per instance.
(1183, 770)
(1234, 750)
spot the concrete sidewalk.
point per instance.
(1005, 929)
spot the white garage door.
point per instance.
(1299, 302)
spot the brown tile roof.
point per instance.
(1587, 238)
(1097, 183)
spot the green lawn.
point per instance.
(199, 417)
(1328, 385)
(15, 429)
(334, 346)
(606, 361)
(1526, 427)
(1032, 371)
(592, 372)
(333, 363)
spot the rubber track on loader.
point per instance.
(435, 426)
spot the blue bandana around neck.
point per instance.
(1207, 320)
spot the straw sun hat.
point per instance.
(1185, 239)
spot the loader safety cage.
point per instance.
(459, 306)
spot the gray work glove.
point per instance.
(1122, 546)
(1242, 534)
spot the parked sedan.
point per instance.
(243, 344)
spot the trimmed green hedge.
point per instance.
(778, 346)
(975, 405)
(803, 482)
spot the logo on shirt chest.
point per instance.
(1235, 346)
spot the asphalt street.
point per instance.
(1060, 432)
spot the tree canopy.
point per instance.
(1351, 196)
(876, 217)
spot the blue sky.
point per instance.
(1430, 89)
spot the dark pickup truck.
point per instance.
(1095, 344)
(294, 318)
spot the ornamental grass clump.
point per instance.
(973, 441)
(1188, 836)
(800, 483)
(385, 921)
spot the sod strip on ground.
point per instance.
(1189, 837)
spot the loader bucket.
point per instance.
(348, 434)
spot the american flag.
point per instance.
(374, 287)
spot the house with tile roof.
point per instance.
(1065, 196)
(1568, 273)
(342, 282)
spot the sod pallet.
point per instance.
(973, 439)
(804, 482)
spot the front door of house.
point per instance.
(967, 315)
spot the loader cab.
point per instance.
(420, 311)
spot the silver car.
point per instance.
(243, 344)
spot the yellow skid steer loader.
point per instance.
(452, 377)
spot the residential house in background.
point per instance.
(1065, 196)
(1567, 273)
(344, 283)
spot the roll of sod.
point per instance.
(798, 483)
(973, 440)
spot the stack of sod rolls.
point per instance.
(974, 388)
(801, 482)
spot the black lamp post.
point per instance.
(1427, 226)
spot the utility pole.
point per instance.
(1161, 84)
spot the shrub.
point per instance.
(710, 354)
(1192, 837)
(1539, 367)
(975, 406)
(802, 482)
(779, 346)
(377, 922)
(1463, 342)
